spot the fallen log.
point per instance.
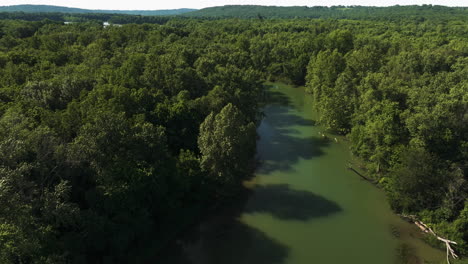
(426, 229)
(358, 173)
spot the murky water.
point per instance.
(303, 206)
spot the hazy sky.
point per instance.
(170, 4)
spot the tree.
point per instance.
(226, 142)
(418, 182)
(340, 39)
(322, 72)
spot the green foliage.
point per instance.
(417, 181)
(107, 135)
(322, 73)
(99, 135)
(226, 143)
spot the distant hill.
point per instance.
(61, 9)
(339, 12)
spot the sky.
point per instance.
(172, 4)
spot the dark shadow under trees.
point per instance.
(222, 238)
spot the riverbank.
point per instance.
(303, 204)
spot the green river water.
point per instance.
(303, 206)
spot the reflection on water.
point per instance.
(302, 206)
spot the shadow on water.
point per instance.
(281, 145)
(277, 98)
(230, 243)
(223, 238)
(289, 204)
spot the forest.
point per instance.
(114, 138)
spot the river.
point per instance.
(303, 206)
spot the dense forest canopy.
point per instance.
(114, 137)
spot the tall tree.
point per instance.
(226, 142)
